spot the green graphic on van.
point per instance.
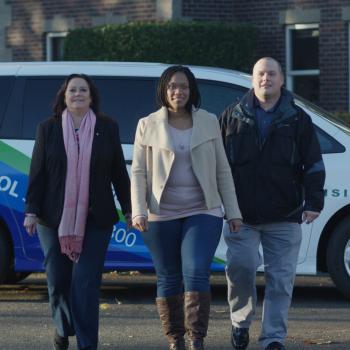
(14, 158)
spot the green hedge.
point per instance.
(197, 43)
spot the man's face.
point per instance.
(267, 79)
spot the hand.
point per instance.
(309, 216)
(30, 224)
(234, 225)
(140, 223)
(128, 221)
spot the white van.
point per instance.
(127, 93)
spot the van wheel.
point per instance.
(338, 256)
(5, 256)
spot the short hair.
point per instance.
(270, 59)
(59, 104)
(194, 98)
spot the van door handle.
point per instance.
(128, 161)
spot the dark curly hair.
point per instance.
(195, 97)
(59, 104)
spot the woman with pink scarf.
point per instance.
(77, 156)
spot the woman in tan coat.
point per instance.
(180, 181)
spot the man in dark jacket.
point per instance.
(279, 175)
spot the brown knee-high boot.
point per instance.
(171, 313)
(197, 309)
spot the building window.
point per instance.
(302, 43)
(55, 46)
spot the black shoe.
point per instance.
(60, 343)
(240, 338)
(275, 346)
(196, 344)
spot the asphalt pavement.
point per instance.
(319, 317)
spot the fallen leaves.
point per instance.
(318, 342)
(104, 306)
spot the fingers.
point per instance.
(234, 225)
(140, 227)
(30, 229)
(128, 224)
(309, 216)
(30, 224)
(141, 223)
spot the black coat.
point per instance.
(279, 178)
(45, 195)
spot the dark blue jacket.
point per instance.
(276, 180)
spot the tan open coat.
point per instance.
(154, 155)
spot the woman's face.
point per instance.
(178, 92)
(77, 95)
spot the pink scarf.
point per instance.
(71, 229)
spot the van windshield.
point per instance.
(335, 120)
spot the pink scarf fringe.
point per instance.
(71, 229)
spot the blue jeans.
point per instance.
(182, 251)
(74, 288)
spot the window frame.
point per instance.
(290, 73)
(49, 43)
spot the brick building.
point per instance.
(309, 37)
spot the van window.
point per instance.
(39, 95)
(6, 85)
(327, 143)
(216, 96)
(127, 100)
(124, 99)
